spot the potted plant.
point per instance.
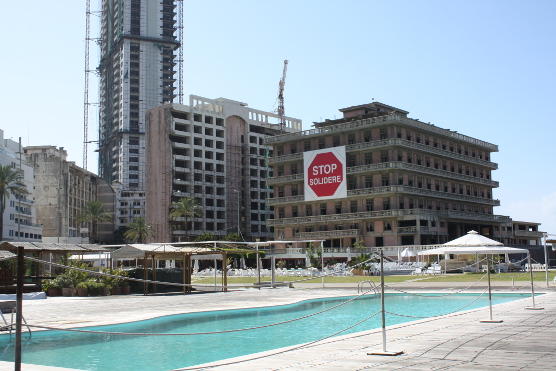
(95, 288)
(52, 287)
(82, 289)
(68, 289)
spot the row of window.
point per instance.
(382, 134)
(374, 204)
(34, 236)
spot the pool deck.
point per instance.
(458, 341)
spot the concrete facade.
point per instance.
(212, 150)
(409, 183)
(62, 191)
(136, 69)
(20, 214)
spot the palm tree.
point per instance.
(11, 183)
(94, 213)
(186, 207)
(138, 231)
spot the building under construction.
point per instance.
(139, 45)
(212, 150)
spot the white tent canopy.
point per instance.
(473, 238)
(473, 243)
(462, 250)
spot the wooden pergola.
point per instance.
(48, 252)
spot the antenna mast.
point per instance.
(281, 109)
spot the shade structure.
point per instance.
(407, 253)
(474, 243)
(473, 238)
(462, 250)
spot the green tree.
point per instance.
(205, 237)
(232, 237)
(11, 183)
(186, 208)
(315, 255)
(138, 231)
(94, 213)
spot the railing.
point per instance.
(395, 165)
(393, 189)
(537, 234)
(377, 144)
(328, 234)
(380, 121)
(413, 229)
(387, 213)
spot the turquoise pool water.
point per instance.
(116, 352)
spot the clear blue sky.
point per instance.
(484, 68)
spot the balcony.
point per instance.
(325, 235)
(532, 234)
(381, 144)
(394, 165)
(394, 189)
(362, 215)
(377, 122)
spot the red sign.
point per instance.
(325, 174)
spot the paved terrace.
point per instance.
(458, 341)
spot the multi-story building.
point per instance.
(20, 212)
(62, 191)
(408, 183)
(212, 150)
(137, 46)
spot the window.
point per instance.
(353, 206)
(369, 204)
(322, 209)
(308, 210)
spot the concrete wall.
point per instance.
(158, 173)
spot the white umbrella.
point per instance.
(407, 252)
(474, 243)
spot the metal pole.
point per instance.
(215, 266)
(258, 268)
(19, 306)
(489, 291)
(531, 276)
(273, 265)
(19, 196)
(545, 262)
(383, 314)
(322, 262)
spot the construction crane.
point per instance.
(86, 88)
(281, 109)
(180, 50)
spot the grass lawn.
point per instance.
(346, 279)
(465, 277)
(469, 277)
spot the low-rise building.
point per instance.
(20, 212)
(62, 192)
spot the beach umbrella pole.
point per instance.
(383, 313)
(490, 320)
(534, 307)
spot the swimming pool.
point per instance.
(117, 352)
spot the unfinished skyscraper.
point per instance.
(138, 44)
